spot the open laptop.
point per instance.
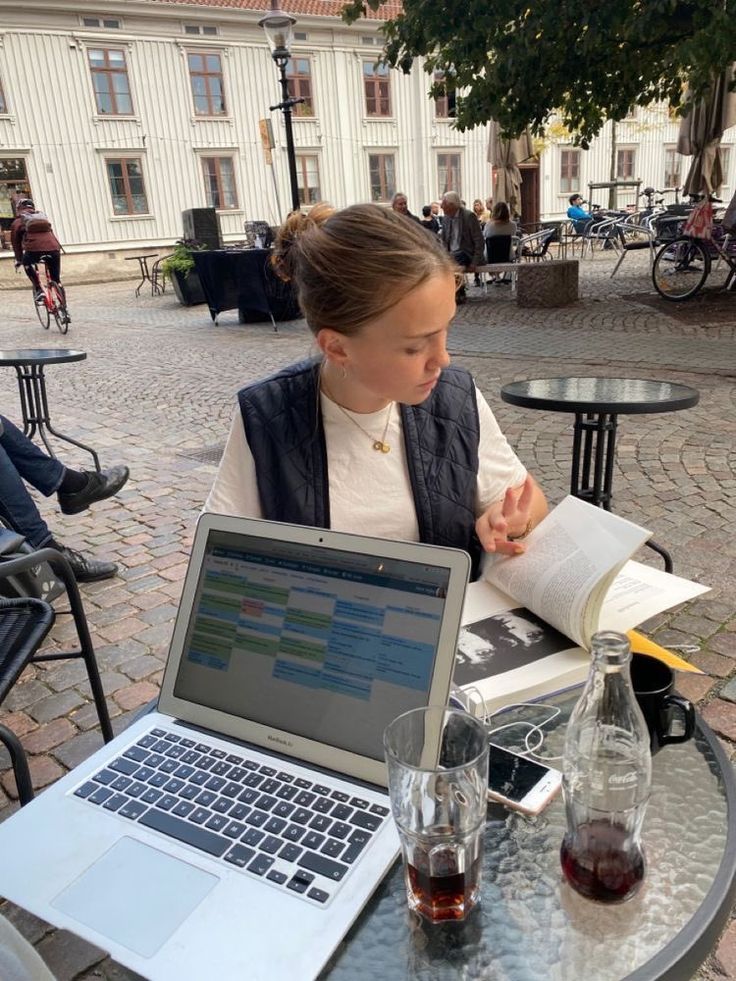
(237, 831)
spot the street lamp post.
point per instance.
(279, 29)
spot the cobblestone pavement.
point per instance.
(157, 392)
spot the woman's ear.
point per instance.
(332, 346)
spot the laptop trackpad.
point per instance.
(135, 895)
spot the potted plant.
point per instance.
(179, 267)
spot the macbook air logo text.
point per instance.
(281, 742)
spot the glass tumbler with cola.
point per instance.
(438, 780)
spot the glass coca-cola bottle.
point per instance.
(606, 778)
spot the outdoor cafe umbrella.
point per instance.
(700, 135)
(505, 156)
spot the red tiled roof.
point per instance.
(318, 8)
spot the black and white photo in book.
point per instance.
(503, 642)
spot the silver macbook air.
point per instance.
(238, 831)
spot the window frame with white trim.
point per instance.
(205, 73)
(220, 191)
(384, 180)
(126, 159)
(110, 72)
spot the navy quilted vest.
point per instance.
(283, 426)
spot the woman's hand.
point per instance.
(508, 517)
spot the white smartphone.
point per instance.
(520, 783)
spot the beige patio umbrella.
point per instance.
(700, 135)
(505, 157)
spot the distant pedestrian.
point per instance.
(400, 204)
(428, 220)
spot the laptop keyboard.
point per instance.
(303, 836)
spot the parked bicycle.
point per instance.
(53, 302)
(682, 266)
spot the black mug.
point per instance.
(653, 682)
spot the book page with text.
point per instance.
(570, 553)
(639, 592)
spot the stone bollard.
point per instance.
(547, 284)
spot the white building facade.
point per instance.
(115, 116)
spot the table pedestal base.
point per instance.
(35, 408)
(593, 453)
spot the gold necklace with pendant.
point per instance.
(379, 445)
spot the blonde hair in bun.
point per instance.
(351, 266)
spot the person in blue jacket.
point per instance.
(576, 211)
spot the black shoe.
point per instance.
(98, 487)
(39, 296)
(87, 570)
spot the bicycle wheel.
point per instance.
(680, 269)
(60, 312)
(42, 312)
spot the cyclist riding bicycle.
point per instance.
(31, 237)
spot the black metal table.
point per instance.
(597, 403)
(145, 271)
(29, 364)
(531, 925)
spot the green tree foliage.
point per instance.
(518, 61)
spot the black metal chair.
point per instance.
(258, 230)
(158, 277)
(535, 246)
(24, 623)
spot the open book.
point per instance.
(575, 578)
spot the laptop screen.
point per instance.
(315, 641)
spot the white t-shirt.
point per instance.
(370, 491)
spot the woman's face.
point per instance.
(477, 207)
(398, 356)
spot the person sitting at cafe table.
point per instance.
(462, 237)
(378, 435)
(21, 460)
(400, 204)
(576, 211)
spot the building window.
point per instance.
(205, 72)
(448, 172)
(126, 186)
(725, 155)
(219, 182)
(569, 171)
(444, 105)
(382, 173)
(672, 164)
(377, 92)
(207, 29)
(110, 81)
(107, 24)
(625, 159)
(307, 176)
(3, 103)
(299, 82)
(13, 186)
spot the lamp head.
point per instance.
(278, 27)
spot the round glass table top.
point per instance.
(531, 926)
(40, 355)
(617, 395)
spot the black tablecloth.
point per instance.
(243, 280)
